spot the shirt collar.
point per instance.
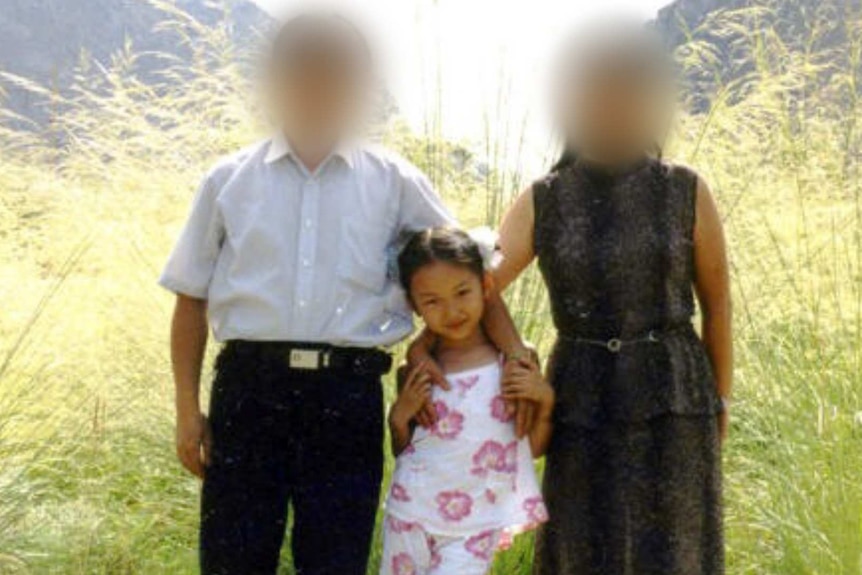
(279, 148)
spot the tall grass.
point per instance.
(90, 207)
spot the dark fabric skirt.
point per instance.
(633, 498)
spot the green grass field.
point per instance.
(88, 479)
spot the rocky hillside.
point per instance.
(721, 41)
(44, 40)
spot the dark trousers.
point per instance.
(313, 440)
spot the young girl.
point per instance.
(463, 487)
(623, 240)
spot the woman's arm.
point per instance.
(712, 284)
(540, 437)
(516, 246)
(516, 240)
(526, 383)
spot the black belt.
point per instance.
(302, 356)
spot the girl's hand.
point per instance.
(413, 395)
(525, 382)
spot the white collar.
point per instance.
(279, 148)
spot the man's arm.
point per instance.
(188, 345)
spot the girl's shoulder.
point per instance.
(490, 369)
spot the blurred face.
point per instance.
(615, 111)
(450, 298)
(318, 88)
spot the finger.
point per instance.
(206, 444)
(520, 419)
(191, 460)
(414, 372)
(530, 419)
(511, 407)
(431, 412)
(417, 380)
(437, 375)
(526, 362)
(422, 419)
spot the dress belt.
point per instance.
(616, 344)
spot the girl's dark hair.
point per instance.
(447, 245)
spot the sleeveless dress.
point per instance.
(468, 473)
(632, 476)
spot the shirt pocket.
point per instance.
(364, 255)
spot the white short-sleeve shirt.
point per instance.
(281, 254)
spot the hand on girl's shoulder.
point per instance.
(523, 379)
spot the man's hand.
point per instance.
(193, 442)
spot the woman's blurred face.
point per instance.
(613, 111)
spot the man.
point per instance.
(286, 252)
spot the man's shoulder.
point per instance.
(229, 165)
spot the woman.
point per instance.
(622, 238)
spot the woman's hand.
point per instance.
(524, 382)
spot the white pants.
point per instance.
(410, 550)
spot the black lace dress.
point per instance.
(632, 478)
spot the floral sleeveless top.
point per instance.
(469, 472)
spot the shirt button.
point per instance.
(306, 263)
(308, 222)
(302, 303)
(339, 310)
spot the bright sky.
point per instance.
(479, 64)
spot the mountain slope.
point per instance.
(43, 40)
(723, 41)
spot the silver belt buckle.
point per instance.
(615, 345)
(308, 359)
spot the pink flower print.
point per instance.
(482, 545)
(499, 410)
(536, 510)
(449, 422)
(434, 551)
(490, 457)
(398, 526)
(465, 384)
(490, 496)
(403, 564)
(399, 492)
(510, 464)
(454, 505)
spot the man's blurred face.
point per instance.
(319, 85)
